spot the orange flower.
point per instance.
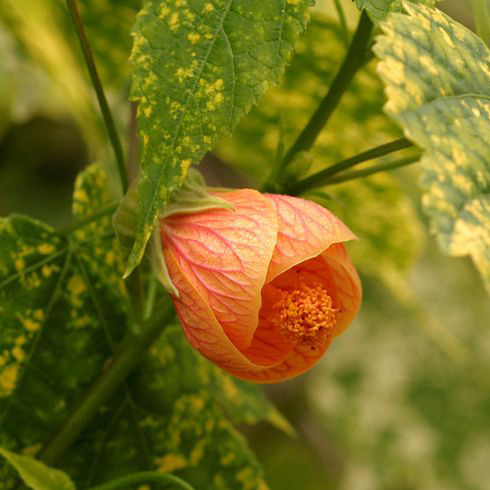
(263, 288)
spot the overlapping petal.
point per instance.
(305, 231)
(227, 254)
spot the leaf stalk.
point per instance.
(99, 90)
(145, 477)
(353, 61)
(75, 225)
(321, 178)
(481, 15)
(124, 361)
(381, 167)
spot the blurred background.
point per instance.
(402, 400)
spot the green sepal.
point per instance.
(194, 197)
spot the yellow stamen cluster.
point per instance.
(305, 315)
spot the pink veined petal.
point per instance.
(200, 325)
(226, 254)
(305, 231)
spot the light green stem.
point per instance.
(482, 19)
(353, 61)
(374, 169)
(321, 178)
(145, 477)
(99, 90)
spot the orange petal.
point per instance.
(199, 323)
(348, 284)
(335, 269)
(226, 254)
(305, 231)
(297, 362)
(268, 347)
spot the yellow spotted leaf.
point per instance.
(379, 9)
(61, 298)
(437, 77)
(198, 67)
(63, 310)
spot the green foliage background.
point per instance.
(401, 399)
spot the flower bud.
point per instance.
(264, 287)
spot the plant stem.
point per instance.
(71, 227)
(320, 178)
(99, 90)
(353, 60)
(356, 174)
(150, 300)
(482, 19)
(104, 386)
(342, 21)
(145, 477)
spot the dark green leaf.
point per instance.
(175, 416)
(60, 299)
(199, 66)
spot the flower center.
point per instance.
(305, 315)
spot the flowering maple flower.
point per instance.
(264, 288)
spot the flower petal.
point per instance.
(348, 284)
(226, 255)
(199, 323)
(305, 231)
(298, 361)
(335, 269)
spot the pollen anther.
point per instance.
(305, 315)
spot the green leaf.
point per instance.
(388, 227)
(56, 294)
(437, 76)
(37, 475)
(175, 415)
(199, 66)
(379, 9)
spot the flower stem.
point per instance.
(71, 227)
(145, 477)
(353, 60)
(320, 178)
(482, 19)
(99, 90)
(343, 22)
(381, 167)
(105, 385)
